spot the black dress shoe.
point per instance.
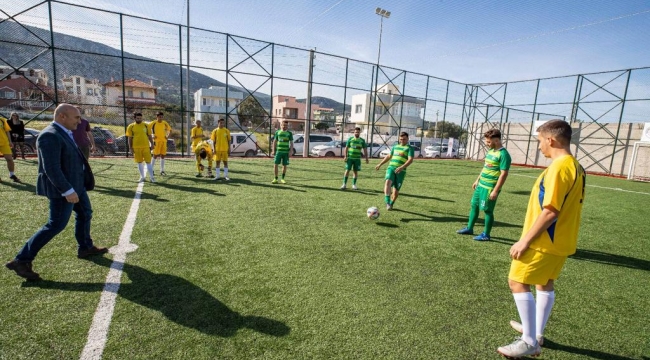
(23, 269)
(82, 254)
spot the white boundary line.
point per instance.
(98, 333)
(596, 186)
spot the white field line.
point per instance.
(596, 186)
(98, 333)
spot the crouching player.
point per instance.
(203, 150)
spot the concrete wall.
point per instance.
(593, 144)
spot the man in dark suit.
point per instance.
(64, 177)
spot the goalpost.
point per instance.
(640, 165)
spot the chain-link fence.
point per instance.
(112, 65)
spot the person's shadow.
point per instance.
(178, 299)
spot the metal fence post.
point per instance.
(620, 118)
(56, 89)
(123, 78)
(532, 122)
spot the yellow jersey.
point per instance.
(203, 145)
(159, 130)
(4, 140)
(196, 131)
(140, 134)
(221, 139)
(561, 186)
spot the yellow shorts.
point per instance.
(221, 156)
(536, 268)
(142, 154)
(160, 148)
(5, 149)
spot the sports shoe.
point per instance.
(15, 178)
(465, 231)
(482, 237)
(275, 181)
(210, 174)
(343, 187)
(141, 179)
(23, 269)
(354, 187)
(198, 175)
(226, 178)
(151, 179)
(282, 181)
(162, 173)
(520, 329)
(389, 207)
(519, 348)
(82, 254)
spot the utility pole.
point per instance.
(305, 149)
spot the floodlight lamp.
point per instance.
(387, 14)
(377, 10)
(382, 12)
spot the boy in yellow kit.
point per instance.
(203, 150)
(549, 236)
(140, 143)
(221, 139)
(160, 131)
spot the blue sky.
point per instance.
(467, 41)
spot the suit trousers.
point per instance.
(60, 211)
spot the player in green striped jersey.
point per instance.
(353, 149)
(400, 157)
(282, 147)
(488, 185)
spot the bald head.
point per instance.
(67, 116)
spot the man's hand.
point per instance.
(474, 185)
(72, 198)
(377, 167)
(399, 170)
(518, 249)
(345, 159)
(493, 195)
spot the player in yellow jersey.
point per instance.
(160, 131)
(221, 140)
(140, 142)
(197, 134)
(203, 150)
(550, 234)
(5, 148)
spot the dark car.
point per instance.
(122, 144)
(30, 140)
(104, 141)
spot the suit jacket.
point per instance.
(61, 165)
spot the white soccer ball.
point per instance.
(373, 213)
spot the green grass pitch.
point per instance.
(250, 270)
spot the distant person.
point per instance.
(160, 130)
(5, 148)
(83, 136)
(202, 151)
(17, 135)
(282, 148)
(400, 157)
(197, 134)
(549, 236)
(353, 149)
(65, 178)
(141, 143)
(221, 141)
(488, 185)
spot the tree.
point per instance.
(250, 111)
(322, 126)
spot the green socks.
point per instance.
(473, 215)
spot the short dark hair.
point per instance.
(137, 114)
(403, 133)
(203, 154)
(492, 133)
(221, 120)
(357, 128)
(159, 113)
(560, 130)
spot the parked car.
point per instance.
(415, 144)
(461, 152)
(330, 149)
(243, 144)
(122, 143)
(314, 140)
(376, 149)
(30, 140)
(104, 141)
(440, 151)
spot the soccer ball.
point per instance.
(373, 213)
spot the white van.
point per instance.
(314, 140)
(243, 144)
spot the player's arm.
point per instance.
(502, 179)
(229, 141)
(543, 222)
(168, 130)
(405, 165)
(291, 145)
(365, 152)
(275, 143)
(347, 147)
(385, 160)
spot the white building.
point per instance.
(211, 104)
(86, 91)
(392, 110)
(37, 76)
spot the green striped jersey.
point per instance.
(495, 162)
(399, 154)
(284, 139)
(355, 147)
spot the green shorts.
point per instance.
(481, 198)
(397, 179)
(281, 157)
(353, 164)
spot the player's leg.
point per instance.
(489, 214)
(225, 167)
(217, 166)
(147, 158)
(356, 166)
(345, 174)
(397, 185)
(276, 164)
(209, 165)
(10, 164)
(473, 213)
(162, 161)
(285, 164)
(197, 158)
(390, 175)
